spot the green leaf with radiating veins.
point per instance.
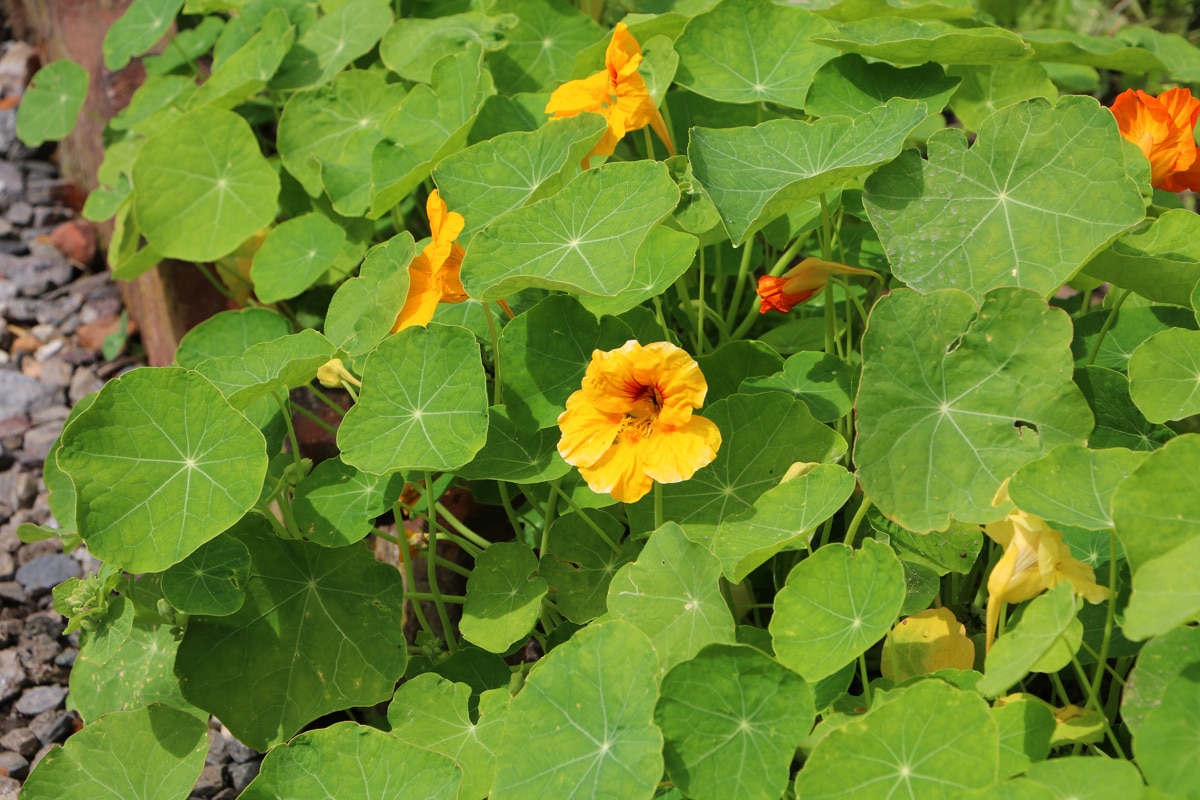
(1026, 725)
(320, 631)
(1166, 592)
(664, 256)
(294, 255)
(953, 550)
(583, 725)
(335, 504)
(542, 46)
(999, 213)
(412, 45)
(752, 52)
(1105, 52)
(423, 403)
(671, 593)
(580, 561)
(52, 102)
(929, 740)
(1073, 485)
(493, 177)
(851, 10)
(210, 580)
(1083, 778)
(1158, 507)
(1046, 620)
(431, 712)
(954, 399)
(783, 518)
(849, 85)
(762, 435)
(269, 367)
(515, 454)
(987, 88)
(161, 464)
(731, 364)
(503, 597)
(203, 187)
(754, 175)
(1181, 56)
(351, 760)
(836, 603)
(1164, 375)
(143, 23)
(908, 41)
(1132, 327)
(1160, 261)
(333, 42)
(1119, 423)
(581, 240)
(186, 45)
(822, 380)
(247, 71)
(230, 333)
(732, 719)
(167, 746)
(1162, 660)
(431, 122)
(364, 309)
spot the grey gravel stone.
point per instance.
(18, 488)
(19, 213)
(49, 414)
(55, 312)
(37, 442)
(12, 675)
(43, 269)
(240, 752)
(83, 383)
(224, 794)
(14, 764)
(40, 698)
(43, 574)
(20, 394)
(12, 183)
(8, 568)
(12, 593)
(211, 781)
(20, 740)
(52, 726)
(9, 788)
(66, 658)
(39, 190)
(240, 775)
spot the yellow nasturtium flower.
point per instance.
(632, 423)
(618, 92)
(1035, 559)
(433, 274)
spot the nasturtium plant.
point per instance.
(807, 405)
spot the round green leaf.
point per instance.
(985, 89)
(412, 45)
(1119, 423)
(294, 255)
(503, 599)
(583, 725)
(1160, 261)
(1000, 213)
(579, 563)
(143, 23)
(1088, 778)
(929, 741)
(836, 603)
(336, 504)
(1073, 485)
(423, 403)
(733, 362)
(210, 580)
(952, 550)
(1073, 47)
(732, 719)
(333, 42)
(742, 52)
(850, 85)
(754, 175)
(364, 309)
(1026, 726)
(954, 399)
(161, 464)
(851, 10)
(432, 713)
(1158, 507)
(247, 71)
(203, 187)
(822, 380)
(1166, 592)
(1164, 375)
(581, 240)
(910, 41)
(146, 754)
(230, 333)
(672, 594)
(1046, 619)
(516, 454)
(1168, 744)
(352, 760)
(1159, 662)
(662, 258)
(52, 102)
(1132, 327)
(320, 631)
(269, 367)
(541, 48)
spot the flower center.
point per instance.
(639, 419)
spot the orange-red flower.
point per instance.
(800, 283)
(631, 423)
(618, 92)
(433, 274)
(1163, 128)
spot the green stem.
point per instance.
(327, 400)
(1093, 702)
(658, 505)
(1109, 619)
(826, 529)
(787, 255)
(1108, 323)
(220, 287)
(315, 420)
(549, 514)
(866, 681)
(431, 563)
(509, 511)
(1060, 689)
(410, 575)
(497, 391)
(435, 597)
(649, 144)
(739, 285)
(191, 62)
(460, 526)
(291, 429)
(264, 508)
(591, 523)
(700, 309)
(859, 516)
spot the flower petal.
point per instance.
(587, 432)
(672, 455)
(619, 473)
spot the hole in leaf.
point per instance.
(1021, 425)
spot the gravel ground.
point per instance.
(56, 311)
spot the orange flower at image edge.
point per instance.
(1163, 128)
(618, 92)
(632, 423)
(433, 274)
(800, 283)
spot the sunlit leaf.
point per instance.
(503, 597)
(52, 102)
(333, 42)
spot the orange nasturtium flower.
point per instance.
(1163, 127)
(632, 423)
(618, 92)
(1035, 559)
(433, 274)
(802, 282)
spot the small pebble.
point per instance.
(40, 698)
(13, 764)
(211, 780)
(240, 775)
(45, 573)
(12, 593)
(20, 740)
(9, 787)
(12, 675)
(53, 726)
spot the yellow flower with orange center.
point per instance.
(618, 92)
(433, 274)
(1035, 559)
(631, 423)
(800, 283)
(1163, 128)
